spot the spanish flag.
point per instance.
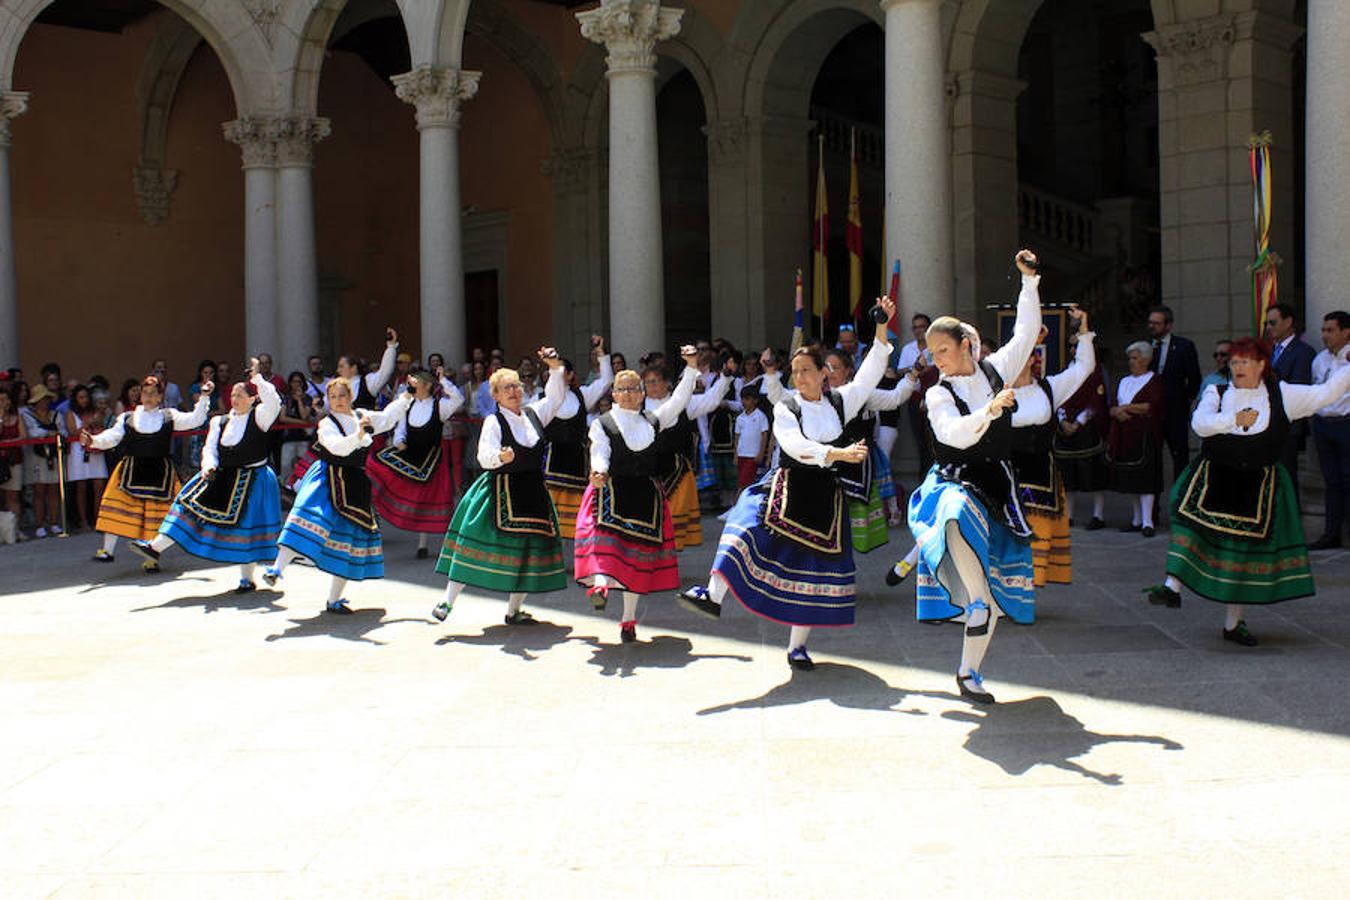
(855, 234)
(820, 238)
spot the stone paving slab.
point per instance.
(163, 737)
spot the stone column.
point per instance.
(1220, 79)
(257, 140)
(1327, 166)
(578, 278)
(297, 264)
(918, 156)
(12, 103)
(779, 211)
(437, 95)
(729, 237)
(630, 29)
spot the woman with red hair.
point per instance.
(230, 511)
(1237, 538)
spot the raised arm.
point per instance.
(377, 379)
(1065, 384)
(269, 402)
(706, 402)
(107, 438)
(884, 399)
(386, 419)
(1012, 356)
(451, 399)
(858, 391)
(186, 421)
(592, 392)
(555, 391)
(668, 413)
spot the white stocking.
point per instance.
(109, 543)
(1172, 583)
(335, 590)
(975, 646)
(161, 543)
(1146, 509)
(630, 601)
(717, 590)
(600, 581)
(513, 603)
(285, 556)
(1234, 611)
(246, 571)
(452, 590)
(1099, 505)
(797, 637)
(422, 541)
(975, 588)
(1134, 513)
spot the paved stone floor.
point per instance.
(162, 737)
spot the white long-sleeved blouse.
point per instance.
(339, 444)
(1033, 407)
(546, 407)
(419, 411)
(265, 412)
(590, 393)
(148, 421)
(637, 432)
(1214, 416)
(809, 441)
(949, 426)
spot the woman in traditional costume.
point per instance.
(786, 553)
(867, 485)
(142, 487)
(565, 463)
(1034, 425)
(1237, 537)
(332, 522)
(1080, 443)
(230, 511)
(973, 537)
(625, 538)
(504, 536)
(1135, 445)
(410, 478)
(677, 451)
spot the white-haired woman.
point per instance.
(332, 522)
(967, 517)
(1136, 440)
(504, 536)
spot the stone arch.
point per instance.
(170, 50)
(231, 31)
(782, 55)
(492, 22)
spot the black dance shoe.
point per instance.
(1148, 531)
(520, 618)
(421, 552)
(340, 607)
(245, 587)
(898, 573)
(1162, 595)
(800, 660)
(1095, 525)
(1240, 635)
(974, 696)
(271, 576)
(628, 632)
(696, 600)
(145, 551)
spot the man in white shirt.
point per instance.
(1331, 432)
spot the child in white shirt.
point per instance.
(752, 429)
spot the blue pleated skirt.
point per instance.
(780, 579)
(1005, 557)
(316, 531)
(251, 539)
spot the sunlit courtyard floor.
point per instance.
(162, 737)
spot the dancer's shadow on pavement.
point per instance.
(144, 579)
(352, 627)
(255, 601)
(1037, 732)
(847, 686)
(661, 652)
(525, 641)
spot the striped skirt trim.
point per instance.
(121, 514)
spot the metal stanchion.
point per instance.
(61, 484)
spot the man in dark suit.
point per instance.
(1291, 360)
(1175, 359)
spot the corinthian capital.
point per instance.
(630, 29)
(256, 137)
(12, 103)
(296, 137)
(436, 93)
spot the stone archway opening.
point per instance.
(683, 154)
(94, 162)
(1088, 160)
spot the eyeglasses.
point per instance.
(513, 386)
(628, 390)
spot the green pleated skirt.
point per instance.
(478, 553)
